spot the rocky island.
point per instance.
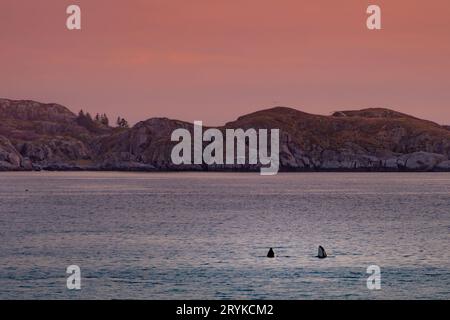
(40, 136)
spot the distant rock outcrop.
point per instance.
(10, 159)
(36, 136)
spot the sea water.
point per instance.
(206, 235)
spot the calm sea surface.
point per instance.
(205, 235)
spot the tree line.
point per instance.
(102, 119)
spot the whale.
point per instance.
(271, 254)
(321, 253)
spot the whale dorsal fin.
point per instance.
(321, 253)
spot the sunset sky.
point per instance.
(214, 60)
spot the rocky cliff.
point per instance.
(35, 136)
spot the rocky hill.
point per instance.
(36, 136)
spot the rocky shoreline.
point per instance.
(36, 136)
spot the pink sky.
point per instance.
(214, 60)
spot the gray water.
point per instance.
(205, 235)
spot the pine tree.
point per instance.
(124, 123)
(104, 119)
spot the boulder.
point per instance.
(10, 158)
(421, 161)
(443, 166)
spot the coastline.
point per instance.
(256, 170)
(36, 136)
